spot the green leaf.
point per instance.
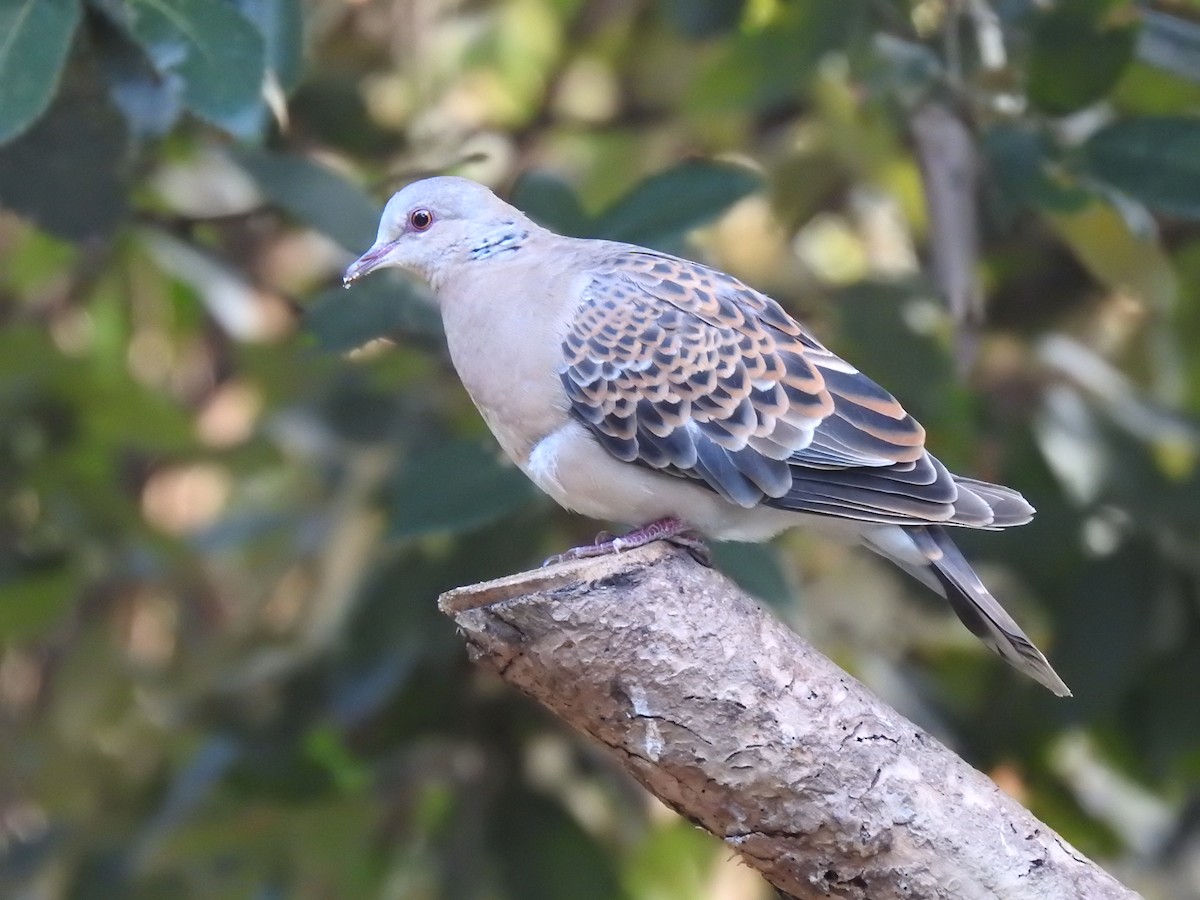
(217, 52)
(315, 195)
(1170, 731)
(1079, 51)
(1155, 159)
(28, 606)
(125, 414)
(904, 69)
(455, 488)
(916, 369)
(381, 306)
(551, 202)
(756, 568)
(772, 64)
(1103, 238)
(65, 172)
(673, 862)
(663, 208)
(150, 100)
(281, 24)
(35, 36)
(543, 854)
(1019, 158)
(703, 18)
(1109, 617)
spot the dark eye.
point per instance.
(420, 219)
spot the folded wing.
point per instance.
(684, 369)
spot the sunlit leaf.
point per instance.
(1104, 241)
(674, 862)
(35, 36)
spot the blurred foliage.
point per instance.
(230, 492)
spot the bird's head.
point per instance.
(436, 222)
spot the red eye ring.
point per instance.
(420, 219)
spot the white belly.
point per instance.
(579, 474)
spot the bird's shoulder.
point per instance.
(673, 318)
(625, 275)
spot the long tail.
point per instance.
(971, 601)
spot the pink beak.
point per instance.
(365, 264)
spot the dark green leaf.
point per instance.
(1079, 51)
(1170, 730)
(35, 36)
(150, 100)
(217, 52)
(315, 195)
(756, 568)
(279, 770)
(914, 367)
(455, 488)
(280, 23)
(381, 306)
(1018, 158)
(65, 173)
(663, 208)
(704, 18)
(1109, 618)
(1155, 159)
(551, 202)
(543, 854)
(902, 68)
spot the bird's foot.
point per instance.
(669, 529)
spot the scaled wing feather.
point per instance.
(684, 369)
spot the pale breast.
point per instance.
(505, 323)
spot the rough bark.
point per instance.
(734, 721)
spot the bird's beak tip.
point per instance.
(364, 265)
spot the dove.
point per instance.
(637, 387)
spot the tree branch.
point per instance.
(731, 719)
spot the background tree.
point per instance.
(230, 491)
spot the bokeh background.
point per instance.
(230, 491)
